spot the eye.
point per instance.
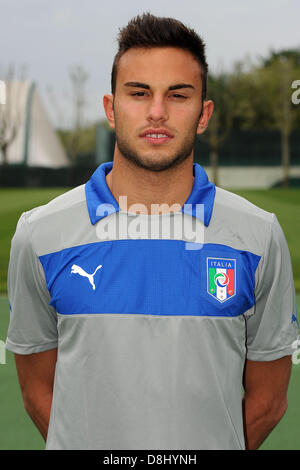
(139, 94)
(178, 96)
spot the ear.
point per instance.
(108, 103)
(208, 107)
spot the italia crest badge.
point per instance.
(221, 278)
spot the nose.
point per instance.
(158, 110)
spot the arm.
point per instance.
(265, 398)
(36, 377)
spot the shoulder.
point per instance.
(239, 223)
(53, 226)
(58, 206)
(237, 206)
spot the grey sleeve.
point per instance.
(273, 327)
(33, 323)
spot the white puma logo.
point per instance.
(78, 270)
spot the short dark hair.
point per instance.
(147, 31)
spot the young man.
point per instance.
(138, 337)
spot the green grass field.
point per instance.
(17, 431)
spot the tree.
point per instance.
(10, 112)
(249, 108)
(59, 114)
(292, 55)
(86, 143)
(220, 122)
(262, 95)
(275, 78)
(78, 77)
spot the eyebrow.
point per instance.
(147, 87)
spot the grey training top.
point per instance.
(153, 316)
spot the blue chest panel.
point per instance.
(151, 277)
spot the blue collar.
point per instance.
(101, 202)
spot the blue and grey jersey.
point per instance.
(153, 323)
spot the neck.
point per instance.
(170, 188)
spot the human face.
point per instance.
(157, 109)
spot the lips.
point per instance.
(157, 136)
(156, 133)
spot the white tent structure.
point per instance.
(35, 143)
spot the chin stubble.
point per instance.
(132, 156)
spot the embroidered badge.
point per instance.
(221, 278)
